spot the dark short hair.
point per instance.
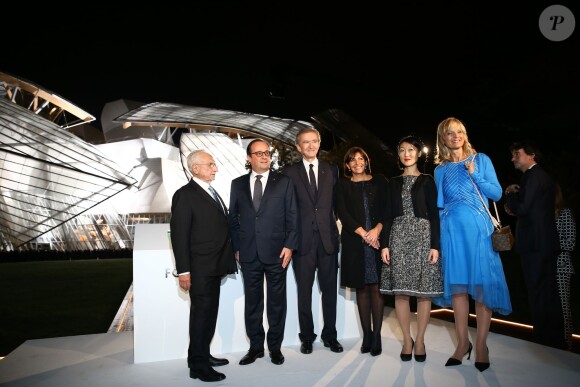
(530, 147)
(417, 143)
(413, 140)
(349, 155)
(249, 147)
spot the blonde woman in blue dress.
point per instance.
(470, 265)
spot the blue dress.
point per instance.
(470, 265)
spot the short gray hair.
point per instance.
(193, 156)
(308, 129)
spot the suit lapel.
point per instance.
(324, 179)
(207, 197)
(272, 180)
(247, 190)
(306, 180)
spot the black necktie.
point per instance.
(257, 192)
(312, 180)
(216, 197)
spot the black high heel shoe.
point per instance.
(454, 362)
(366, 346)
(408, 356)
(421, 358)
(377, 346)
(481, 365)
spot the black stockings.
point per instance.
(370, 304)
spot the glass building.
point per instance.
(60, 192)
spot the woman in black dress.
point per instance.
(361, 204)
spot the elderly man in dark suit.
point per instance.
(533, 201)
(315, 182)
(264, 225)
(201, 243)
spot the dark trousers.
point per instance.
(305, 266)
(253, 274)
(202, 320)
(545, 307)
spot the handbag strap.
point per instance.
(496, 222)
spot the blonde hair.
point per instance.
(442, 153)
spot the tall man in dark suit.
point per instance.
(314, 182)
(532, 201)
(263, 220)
(201, 243)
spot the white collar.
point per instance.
(307, 163)
(201, 183)
(265, 174)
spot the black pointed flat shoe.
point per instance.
(408, 356)
(423, 357)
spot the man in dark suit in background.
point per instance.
(263, 220)
(532, 201)
(201, 243)
(314, 182)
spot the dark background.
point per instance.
(394, 69)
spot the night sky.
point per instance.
(395, 70)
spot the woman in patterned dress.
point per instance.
(360, 204)
(470, 265)
(566, 225)
(410, 242)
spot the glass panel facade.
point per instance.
(48, 176)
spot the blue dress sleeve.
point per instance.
(485, 178)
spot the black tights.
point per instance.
(370, 302)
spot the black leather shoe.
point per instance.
(306, 347)
(334, 345)
(481, 366)
(216, 362)
(251, 357)
(407, 356)
(209, 375)
(277, 357)
(376, 351)
(455, 362)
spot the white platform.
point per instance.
(107, 360)
(161, 308)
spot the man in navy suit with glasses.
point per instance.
(264, 225)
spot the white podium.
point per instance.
(161, 308)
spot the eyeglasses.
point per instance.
(211, 165)
(261, 153)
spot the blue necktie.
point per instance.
(216, 197)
